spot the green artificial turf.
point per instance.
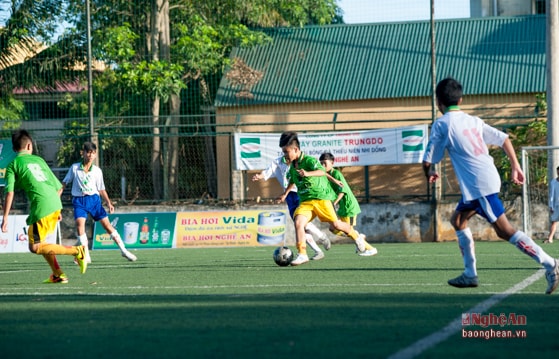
(237, 303)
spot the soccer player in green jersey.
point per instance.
(315, 195)
(348, 207)
(32, 174)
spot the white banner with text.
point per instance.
(401, 145)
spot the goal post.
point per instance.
(535, 190)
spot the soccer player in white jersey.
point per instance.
(88, 187)
(465, 138)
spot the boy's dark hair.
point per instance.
(289, 139)
(449, 92)
(20, 138)
(326, 156)
(89, 146)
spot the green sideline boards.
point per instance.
(6, 156)
(138, 230)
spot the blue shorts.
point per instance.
(292, 201)
(489, 207)
(89, 205)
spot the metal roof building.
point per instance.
(372, 76)
(499, 55)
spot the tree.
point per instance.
(155, 48)
(29, 26)
(158, 47)
(533, 133)
(12, 112)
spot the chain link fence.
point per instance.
(126, 156)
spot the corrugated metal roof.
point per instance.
(499, 55)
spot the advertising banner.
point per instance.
(402, 145)
(230, 228)
(194, 229)
(16, 240)
(138, 230)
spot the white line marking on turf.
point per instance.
(455, 326)
(10, 291)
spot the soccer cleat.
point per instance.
(301, 258)
(318, 256)
(87, 257)
(129, 256)
(326, 243)
(369, 252)
(463, 281)
(360, 243)
(552, 276)
(82, 260)
(62, 279)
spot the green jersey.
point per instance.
(313, 187)
(32, 174)
(348, 205)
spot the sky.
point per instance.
(369, 11)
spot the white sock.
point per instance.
(311, 242)
(116, 238)
(468, 250)
(313, 230)
(83, 240)
(527, 246)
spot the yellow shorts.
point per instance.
(40, 230)
(349, 220)
(321, 208)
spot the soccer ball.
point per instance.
(283, 256)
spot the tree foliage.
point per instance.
(29, 26)
(28, 35)
(531, 134)
(12, 112)
(202, 35)
(155, 52)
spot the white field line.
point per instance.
(66, 289)
(5, 291)
(456, 325)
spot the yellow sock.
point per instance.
(353, 234)
(302, 248)
(339, 233)
(49, 248)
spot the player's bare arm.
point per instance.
(517, 175)
(286, 192)
(107, 200)
(430, 173)
(334, 181)
(7, 207)
(315, 173)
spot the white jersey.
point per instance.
(278, 169)
(84, 183)
(466, 138)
